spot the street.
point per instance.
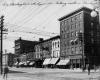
(50, 74)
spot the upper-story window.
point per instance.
(73, 19)
(58, 44)
(72, 34)
(92, 40)
(81, 16)
(72, 50)
(53, 44)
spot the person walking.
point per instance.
(88, 69)
(6, 70)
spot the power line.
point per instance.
(36, 31)
(34, 14)
(46, 3)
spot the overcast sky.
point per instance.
(33, 21)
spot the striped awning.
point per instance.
(21, 63)
(31, 63)
(53, 60)
(16, 63)
(63, 62)
(46, 61)
(25, 63)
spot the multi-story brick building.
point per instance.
(24, 46)
(43, 49)
(80, 38)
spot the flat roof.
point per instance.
(75, 11)
(55, 37)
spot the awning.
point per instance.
(53, 60)
(21, 63)
(16, 63)
(46, 61)
(25, 63)
(31, 63)
(63, 62)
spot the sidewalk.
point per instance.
(15, 78)
(78, 72)
(30, 70)
(65, 73)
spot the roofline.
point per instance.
(75, 11)
(55, 37)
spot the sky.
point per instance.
(30, 22)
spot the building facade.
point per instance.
(24, 46)
(43, 49)
(80, 38)
(56, 47)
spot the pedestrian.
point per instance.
(6, 70)
(88, 70)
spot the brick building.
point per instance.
(43, 49)
(80, 38)
(24, 46)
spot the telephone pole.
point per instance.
(1, 45)
(2, 29)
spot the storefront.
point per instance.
(38, 63)
(46, 62)
(77, 61)
(63, 63)
(53, 62)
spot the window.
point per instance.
(72, 50)
(77, 25)
(80, 49)
(72, 34)
(77, 50)
(91, 33)
(81, 24)
(58, 44)
(72, 26)
(67, 35)
(53, 44)
(76, 33)
(92, 40)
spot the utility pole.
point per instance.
(1, 41)
(1, 34)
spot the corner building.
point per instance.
(81, 50)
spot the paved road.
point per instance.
(50, 74)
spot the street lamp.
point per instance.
(93, 13)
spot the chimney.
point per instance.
(40, 39)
